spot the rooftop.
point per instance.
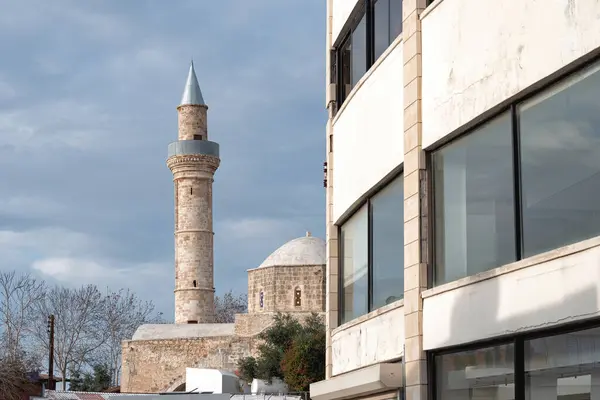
(181, 331)
(192, 95)
(306, 250)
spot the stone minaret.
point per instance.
(193, 160)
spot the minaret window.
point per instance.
(297, 297)
(194, 283)
(191, 190)
(261, 298)
(197, 137)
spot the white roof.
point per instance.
(180, 331)
(306, 250)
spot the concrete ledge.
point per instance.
(192, 147)
(182, 331)
(359, 383)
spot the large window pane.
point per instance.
(354, 257)
(395, 19)
(563, 367)
(359, 51)
(387, 214)
(486, 373)
(346, 70)
(560, 156)
(474, 209)
(381, 16)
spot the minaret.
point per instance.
(193, 160)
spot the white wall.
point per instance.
(557, 291)
(368, 140)
(477, 53)
(341, 11)
(375, 340)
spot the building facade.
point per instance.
(463, 227)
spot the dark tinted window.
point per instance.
(474, 202)
(354, 258)
(560, 163)
(395, 19)
(359, 51)
(381, 26)
(387, 215)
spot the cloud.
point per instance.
(88, 106)
(81, 270)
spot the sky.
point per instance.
(88, 97)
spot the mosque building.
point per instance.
(290, 280)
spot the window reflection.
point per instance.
(359, 51)
(563, 367)
(486, 373)
(560, 158)
(345, 67)
(354, 256)
(381, 26)
(473, 200)
(387, 213)
(395, 19)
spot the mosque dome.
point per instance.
(306, 250)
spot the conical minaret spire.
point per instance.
(193, 160)
(192, 95)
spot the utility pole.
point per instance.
(51, 355)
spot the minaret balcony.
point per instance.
(193, 147)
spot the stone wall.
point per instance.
(252, 324)
(154, 365)
(282, 286)
(192, 122)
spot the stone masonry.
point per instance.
(286, 289)
(415, 205)
(193, 170)
(291, 280)
(153, 366)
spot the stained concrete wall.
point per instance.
(367, 131)
(515, 43)
(373, 338)
(553, 288)
(151, 366)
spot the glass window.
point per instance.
(563, 367)
(395, 19)
(387, 215)
(345, 70)
(560, 164)
(381, 26)
(473, 200)
(486, 373)
(354, 257)
(359, 51)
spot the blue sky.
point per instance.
(88, 96)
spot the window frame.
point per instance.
(363, 8)
(511, 106)
(517, 340)
(365, 201)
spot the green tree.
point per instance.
(95, 381)
(290, 351)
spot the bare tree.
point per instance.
(227, 306)
(19, 295)
(122, 313)
(78, 321)
(14, 377)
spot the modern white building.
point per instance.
(463, 200)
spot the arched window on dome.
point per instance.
(297, 297)
(261, 299)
